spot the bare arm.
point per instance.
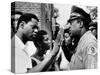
(49, 59)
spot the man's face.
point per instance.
(30, 28)
(74, 28)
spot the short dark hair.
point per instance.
(38, 40)
(27, 17)
(40, 35)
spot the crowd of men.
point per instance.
(31, 46)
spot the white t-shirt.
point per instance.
(22, 60)
(30, 48)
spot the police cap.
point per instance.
(77, 12)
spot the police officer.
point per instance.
(85, 56)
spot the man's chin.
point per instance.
(31, 39)
(34, 36)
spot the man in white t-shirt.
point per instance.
(21, 61)
(25, 30)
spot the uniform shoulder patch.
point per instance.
(92, 49)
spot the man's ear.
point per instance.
(81, 24)
(22, 24)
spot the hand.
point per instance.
(58, 40)
(59, 37)
(57, 67)
(68, 41)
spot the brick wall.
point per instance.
(28, 7)
(41, 10)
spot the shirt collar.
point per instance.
(18, 42)
(88, 33)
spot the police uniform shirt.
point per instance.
(86, 53)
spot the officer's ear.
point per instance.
(22, 24)
(80, 23)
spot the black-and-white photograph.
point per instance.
(53, 37)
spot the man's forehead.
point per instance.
(34, 20)
(74, 20)
(34, 23)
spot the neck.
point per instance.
(21, 37)
(82, 32)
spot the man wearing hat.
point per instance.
(85, 56)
